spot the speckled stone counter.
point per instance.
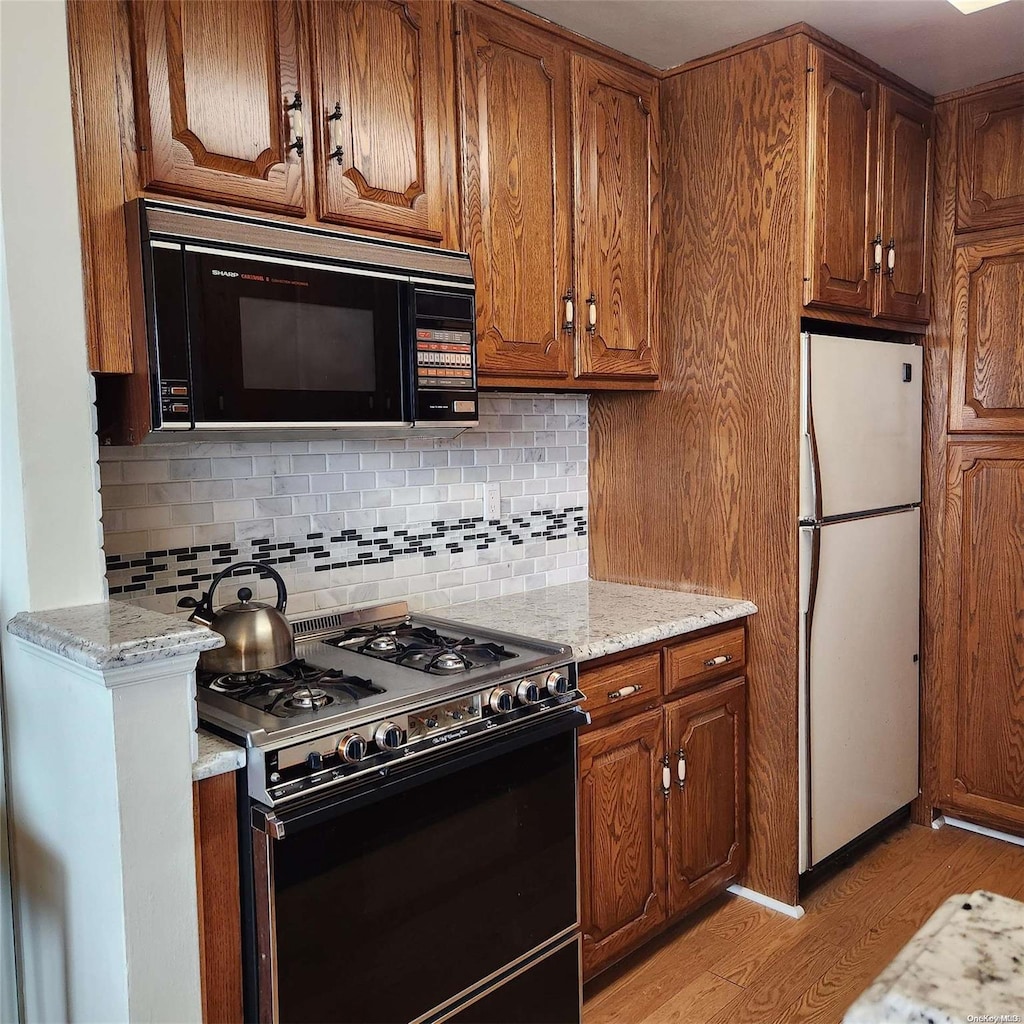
(113, 634)
(966, 963)
(217, 756)
(597, 618)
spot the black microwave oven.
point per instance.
(270, 329)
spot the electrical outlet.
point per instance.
(492, 500)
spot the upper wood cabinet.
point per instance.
(220, 101)
(617, 169)
(707, 812)
(516, 194)
(987, 338)
(381, 114)
(622, 819)
(990, 175)
(906, 133)
(983, 774)
(842, 115)
(868, 195)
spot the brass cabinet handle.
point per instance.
(722, 659)
(876, 243)
(890, 260)
(570, 311)
(680, 768)
(666, 776)
(334, 134)
(624, 691)
(293, 111)
(592, 313)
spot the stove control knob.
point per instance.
(315, 761)
(557, 684)
(351, 747)
(501, 699)
(528, 692)
(387, 736)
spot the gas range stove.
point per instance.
(372, 689)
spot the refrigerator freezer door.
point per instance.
(862, 426)
(861, 696)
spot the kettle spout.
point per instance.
(202, 612)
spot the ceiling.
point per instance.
(927, 42)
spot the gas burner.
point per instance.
(383, 644)
(449, 661)
(308, 698)
(234, 684)
(445, 655)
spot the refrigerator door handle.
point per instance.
(814, 565)
(809, 437)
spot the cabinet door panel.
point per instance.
(985, 524)
(212, 82)
(707, 813)
(990, 191)
(905, 196)
(516, 198)
(841, 190)
(615, 123)
(383, 123)
(987, 383)
(622, 856)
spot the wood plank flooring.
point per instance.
(738, 963)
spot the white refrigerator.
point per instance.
(860, 543)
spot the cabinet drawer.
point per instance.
(629, 683)
(690, 664)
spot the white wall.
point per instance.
(50, 550)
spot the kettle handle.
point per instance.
(203, 608)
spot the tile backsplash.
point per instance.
(353, 522)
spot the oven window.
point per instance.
(278, 343)
(392, 909)
(306, 347)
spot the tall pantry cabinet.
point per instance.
(974, 474)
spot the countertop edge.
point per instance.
(663, 631)
(111, 634)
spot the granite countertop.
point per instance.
(597, 618)
(217, 756)
(966, 962)
(112, 634)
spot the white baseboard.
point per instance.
(754, 896)
(969, 826)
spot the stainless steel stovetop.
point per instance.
(376, 687)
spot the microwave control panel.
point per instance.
(444, 358)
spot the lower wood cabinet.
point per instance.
(983, 775)
(707, 809)
(622, 825)
(215, 817)
(662, 806)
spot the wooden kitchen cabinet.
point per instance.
(617, 171)
(622, 823)
(842, 159)
(987, 336)
(383, 116)
(516, 194)
(983, 774)
(904, 195)
(707, 809)
(215, 816)
(990, 179)
(221, 100)
(868, 194)
(657, 839)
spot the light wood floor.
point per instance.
(737, 963)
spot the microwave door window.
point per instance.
(306, 347)
(282, 344)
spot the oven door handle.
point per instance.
(282, 822)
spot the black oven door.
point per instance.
(446, 893)
(282, 342)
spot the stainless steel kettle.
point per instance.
(257, 636)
